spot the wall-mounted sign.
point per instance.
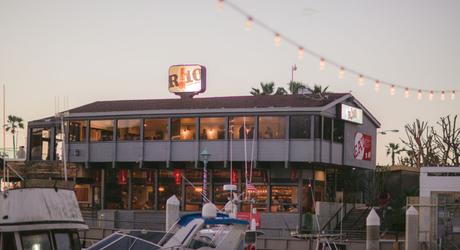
(362, 149)
(351, 114)
(187, 79)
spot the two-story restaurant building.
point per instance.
(132, 154)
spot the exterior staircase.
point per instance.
(353, 224)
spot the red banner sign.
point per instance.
(247, 216)
(363, 147)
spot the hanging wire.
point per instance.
(302, 50)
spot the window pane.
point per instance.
(339, 130)
(327, 129)
(143, 189)
(36, 241)
(318, 127)
(156, 129)
(116, 191)
(63, 241)
(101, 130)
(193, 198)
(128, 130)
(58, 149)
(8, 241)
(77, 131)
(169, 184)
(284, 199)
(212, 128)
(236, 127)
(40, 144)
(183, 128)
(272, 127)
(300, 127)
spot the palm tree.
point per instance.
(318, 90)
(393, 150)
(14, 123)
(296, 87)
(266, 89)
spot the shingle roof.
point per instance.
(231, 102)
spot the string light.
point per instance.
(341, 72)
(220, 4)
(301, 52)
(443, 95)
(277, 39)
(392, 90)
(406, 93)
(377, 85)
(322, 64)
(430, 97)
(249, 23)
(360, 80)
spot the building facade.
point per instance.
(135, 154)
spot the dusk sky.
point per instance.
(109, 49)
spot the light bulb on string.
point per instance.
(452, 95)
(220, 4)
(419, 95)
(430, 96)
(248, 24)
(301, 52)
(277, 40)
(360, 80)
(341, 72)
(322, 64)
(406, 92)
(443, 95)
(377, 85)
(392, 90)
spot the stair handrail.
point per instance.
(335, 217)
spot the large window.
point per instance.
(339, 130)
(101, 130)
(318, 127)
(327, 129)
(77, 131)
(212, 128)
(156, 129)
(284, 199)
(169, 184)
(40, 144)
(128, 130)
(272, 127)
(116, 188)
(300, 127)
(143, 196)
(193, 198)
(183, 128)
(236, 127)
(32, 241)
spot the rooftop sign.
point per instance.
(351, 114)
(187, 79)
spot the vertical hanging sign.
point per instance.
(362, 149)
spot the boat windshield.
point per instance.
(121, 241)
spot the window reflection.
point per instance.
(77, 131)
(169, 184)
(128, 130)
(143, 195)
(272, 127)
(183, 128)
(212, 128)
(101, 130)
(40, 144)
(339, 130)
(156, 129)
(284, 199)
(300, 127)
(236, 127)
(36, 241)
(327, 129)
(260, 197)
